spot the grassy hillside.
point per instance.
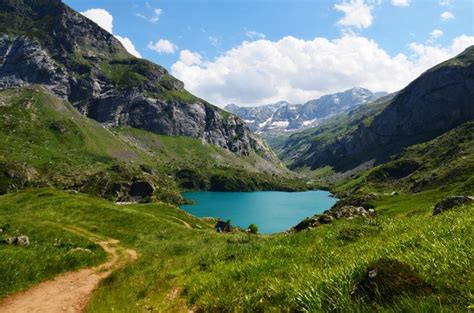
(45, 141)
(421, 175)
(423, 262)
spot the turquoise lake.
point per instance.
(271, 211)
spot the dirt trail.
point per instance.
(69, 292)
(186, 224)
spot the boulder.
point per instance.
(10, 241)
(21, 240)
(350, 211)
(345, 212)
(451, 202)
(306, 223)
(325, 219)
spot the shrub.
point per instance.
(253, 229)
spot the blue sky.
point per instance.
(213, 34)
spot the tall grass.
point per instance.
(316, 270)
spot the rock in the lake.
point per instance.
(451, 202)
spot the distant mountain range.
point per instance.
(284, 116)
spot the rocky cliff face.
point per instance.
(437, 101)
(283, 116)
(47, 43)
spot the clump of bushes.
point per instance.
(253, 229)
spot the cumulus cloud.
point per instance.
(128, 45)
(357, 13)
(156, 15)
(190, 58)
(101, 17)
(447, 15)
(400, 3)
(297, 70)
(254, 35)
(105, 20)
(435, 34)
(162, 46)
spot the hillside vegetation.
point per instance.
(44, 141)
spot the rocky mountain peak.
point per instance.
(46, 42)
(284, 116)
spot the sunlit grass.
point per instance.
(179, 268)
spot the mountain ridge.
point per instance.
(435, 102)
(46, 42)
(287, 117)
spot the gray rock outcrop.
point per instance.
(79, 61)
(451, 202)
(344, 212)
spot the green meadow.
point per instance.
(425, 262)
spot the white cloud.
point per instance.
(162, 46)
(190, 58)
(445, 2)
(401, 3)
(357, 13)
(156, 15)
(105, 20)
(435, 34)
(254, 35)
(128, 45)
(447, 15)
(297, 70)
(101, 17)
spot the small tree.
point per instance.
(252, 229)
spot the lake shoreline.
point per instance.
(272, 211)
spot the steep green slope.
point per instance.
(45, 141)
(423, 263)
(419, 176)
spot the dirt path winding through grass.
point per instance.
(70, 292)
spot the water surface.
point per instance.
(271, 211)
